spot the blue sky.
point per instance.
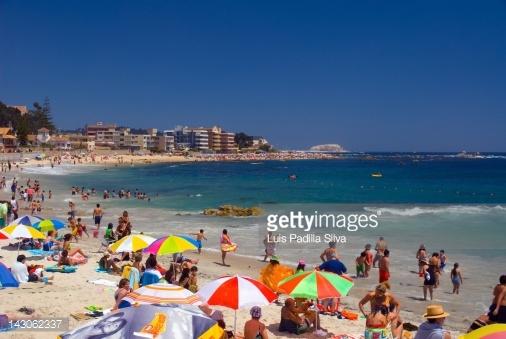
(370, 75)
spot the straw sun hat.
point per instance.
(435, 312)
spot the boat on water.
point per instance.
(376, 175)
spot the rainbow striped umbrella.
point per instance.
(316, 285)
(160, 294)
(49, 225)
(171, 244)
(131, 243)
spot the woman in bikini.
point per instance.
(385, 310)
(66, 246)
(225, 243)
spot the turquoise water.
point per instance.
(195, 186)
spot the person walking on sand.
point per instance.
(200, 236)
(381, 246)
(226, 245)
(429, 279)
(384, 267)
(97, 215)
(456, 278)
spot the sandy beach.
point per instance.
(70, 293)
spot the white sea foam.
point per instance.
(452, 209)
(57, 170)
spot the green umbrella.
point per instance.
(316, 285)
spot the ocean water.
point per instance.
(440, 200)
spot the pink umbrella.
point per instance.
(236, 292)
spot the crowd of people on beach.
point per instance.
(380, 307)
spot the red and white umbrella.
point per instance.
(236, 292)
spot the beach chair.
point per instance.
(105, 244)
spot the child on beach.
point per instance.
(456, 278)
(360, 265)
(199, 236)
(81, 227)
(369, 257)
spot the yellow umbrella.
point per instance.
(131, 243)
(22, 231)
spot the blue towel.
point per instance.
(100, 270)
(40, 252)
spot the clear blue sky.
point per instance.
(370, 75)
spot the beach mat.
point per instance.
(40, 253)
(61, 269)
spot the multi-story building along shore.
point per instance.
(182, 138)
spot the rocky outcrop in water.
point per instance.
(233, 211)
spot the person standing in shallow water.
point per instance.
(97, 216)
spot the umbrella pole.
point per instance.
(235, 321)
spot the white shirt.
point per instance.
(20, 272)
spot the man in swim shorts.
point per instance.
(97, 215)
(384, 267)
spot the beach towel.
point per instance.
(103, 282)
(101, 270)
(41, 253)
(61, 269)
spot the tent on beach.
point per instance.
(6, 277)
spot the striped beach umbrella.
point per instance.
(21, 231)
(160, 294)
(171, 244)
(316, 285)
(131, 243)
(49, 225)
(236, 292)
(27, 220)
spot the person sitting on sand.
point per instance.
(456, 278)
(497, 312)
(20, 271)
(66, 246)
(329, 252)
(184, 280)
(107, 263)
(194, 283)
(433, 327)
(66, 260)
(109, 235)
(254, 328)
(292, 322)
(380, 299)
(121, 292)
